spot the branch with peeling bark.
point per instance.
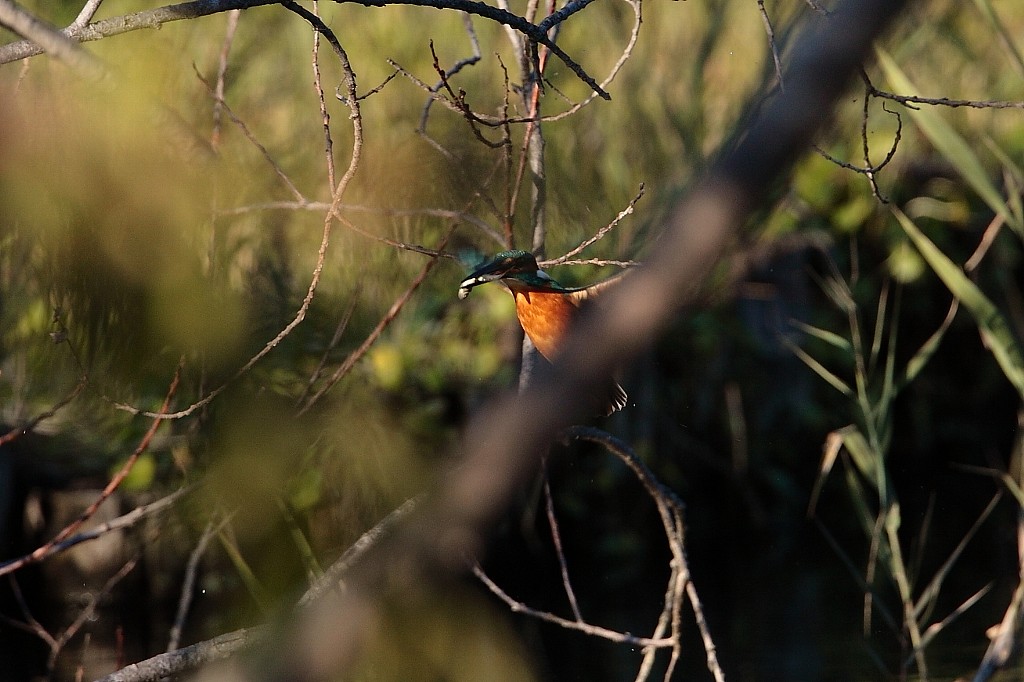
(62, 42)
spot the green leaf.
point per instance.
(867, 460)
(825, 335)
(928, 348)
(819, 369)
(995, 332)
(950, 144)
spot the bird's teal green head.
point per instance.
(519, 265)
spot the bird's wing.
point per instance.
(578, 296)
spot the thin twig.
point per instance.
(321, 255)
(346, 366)
(670, 508)
(30, 624)
(766, 20)
(325, 116)
(87, 13)
(987, 239)
(474, 44)
(459, 100)
(223, 106)
(126, 23)
(190, 10)
(945, 101)
(334, 576)
(88, 612)
(521, 24)
(597, 261)
(32, 423)
(563, 259)
(189, 581)
(121, 522)
(68, 531)
(335, 339)
(556, 539)
(586, 628)
(869, 170)
(222, 69)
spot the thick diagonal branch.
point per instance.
(504, 442)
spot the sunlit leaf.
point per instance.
(995, 330)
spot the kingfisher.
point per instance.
(545, 308)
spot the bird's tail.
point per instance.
(617, 398)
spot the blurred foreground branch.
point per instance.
(503, 444)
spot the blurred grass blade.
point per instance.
(859, 498)
(1012, 174)
(950, 144)
(928, 348)
(819, 369)
(866, 460)
(830, 452)
(936, 628)
(997, 24)
(825, 335)
(995, 331)
(930, 594)
(302, 545)
(245, 572)
(879, 332)
(889, 386)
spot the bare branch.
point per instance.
(396, 307)
(334, 576)
(189, 581)
(28, 426)
(55, 544)
(87, 13)
(555, 18)
(473, 58)
(586, 628)
(332, 212)
(89, 611)
(532, 31)
(127, 23)
(217, 92)
(909, 100)
(222, 69)
(766, 20)
(600, 233)
(198, 8)
(191, 657)
(503, 443)
(556, 539)
(48, 38)
(335, 339)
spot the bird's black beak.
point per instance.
(496, 269)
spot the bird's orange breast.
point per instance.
(545, 317)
